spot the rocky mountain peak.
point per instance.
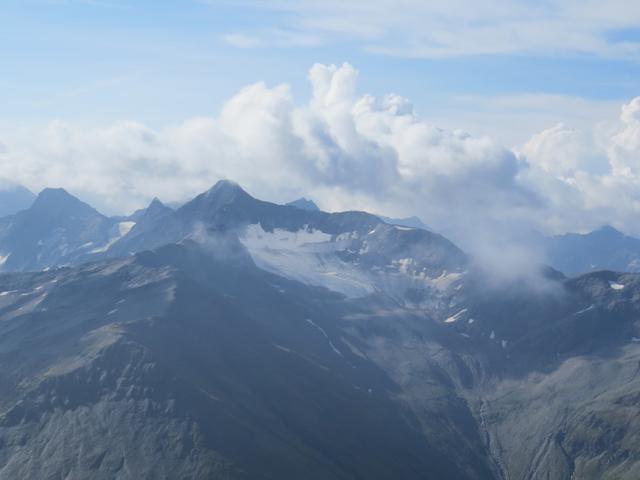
(304, 204)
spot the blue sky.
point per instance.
(160, 62)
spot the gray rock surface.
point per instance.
(197, 346)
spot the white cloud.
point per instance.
(624, 149)
(588, 177)
(346, 150)
(563, 152)
(511, 119)
(414, 28)
(349, 151)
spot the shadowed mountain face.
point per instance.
(191, 362)
(352, 252)
(179, 364)
(411, 222)
(239, 339)
(14, 198)
(304, 204)
(603, 249)
(57, 229)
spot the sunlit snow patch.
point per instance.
(306, 255)
(585, 310)
(256, 237)
(123, 229)
(616, 286)
(456, 317)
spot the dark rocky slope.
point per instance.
(176, 364)
(208, 358)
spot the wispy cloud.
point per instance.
(270, 38)
(415, 28)
(511, 118)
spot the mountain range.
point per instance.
(14, 197)
(233, 338)
(602, 249)
(56, 228)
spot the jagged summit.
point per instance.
(304, 204)
(411, 222)
(58, 229)
(604, 248)
(156, 206)
(58, 200)
(51, 193)
(223, 193)
(226, 189)
(156, 202)
(608, 231)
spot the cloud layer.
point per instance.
(347, 150)
(415, 28)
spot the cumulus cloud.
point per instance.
(346, 150)
(563, 151)
(589, 178)
(625, 145)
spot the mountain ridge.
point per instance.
(14, 197)
(602, 249)
(235, 338)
